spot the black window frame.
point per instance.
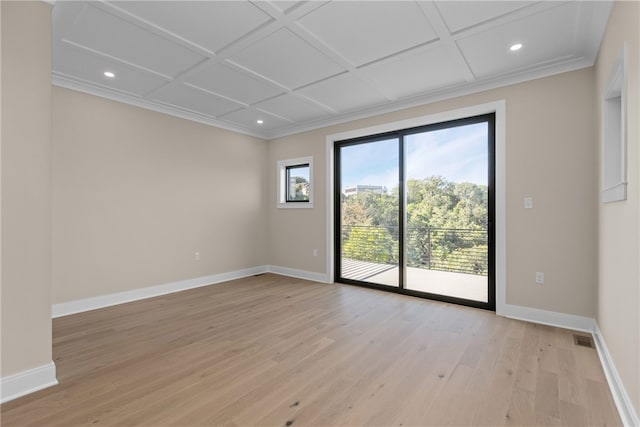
(490, 119)
(287, 178)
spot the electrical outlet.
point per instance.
(539, 278)
(315, 252)
(196, 256)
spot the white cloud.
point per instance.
(458, 154)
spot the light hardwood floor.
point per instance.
(276, 351)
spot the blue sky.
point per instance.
(302, 172)
(459, 154)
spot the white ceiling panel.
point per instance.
(63, 16)
(305, 64)
(343, 93)
(285, 6)
(286, 59)
(209, 24)
(293, 108)
(488, 53)
(108, 34)
(183, 96)
(459, 15)
(364, 31)
(417, 73)
(228, 82)
(90, 68)
(247, 118)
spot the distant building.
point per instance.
(377, 189)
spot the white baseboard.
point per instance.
(93, 303)
(620, 397)
(79, 306)
(36, 379)
(544, 317)
(299, 274)
(623, 403)
(25, 382)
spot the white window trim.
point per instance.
(282, 183)
(614, 133)
(497, 107)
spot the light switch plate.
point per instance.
(528, 202)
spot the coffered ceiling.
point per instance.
(301, 65)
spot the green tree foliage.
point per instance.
(446, 225)
(437, 203)
(301, 189)
(373, 244)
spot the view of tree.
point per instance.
(446, 226)
(302, 192)
(299, 188)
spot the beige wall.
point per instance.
(26, 186)
(618, 313)
(136, 193)
(550, 137)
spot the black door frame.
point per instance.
(490, 119)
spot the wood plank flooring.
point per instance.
(276, 351)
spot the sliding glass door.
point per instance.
(414, 211)
(369, 213)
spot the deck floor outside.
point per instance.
(459, 285)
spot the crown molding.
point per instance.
(441, 95)
(457, 91)
(80, 86)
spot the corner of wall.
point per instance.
(26, 197)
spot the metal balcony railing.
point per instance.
(444, 249)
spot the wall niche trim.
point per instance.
(614, 133)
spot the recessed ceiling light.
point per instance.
(259, 122)
(515, 46)
(109, 74)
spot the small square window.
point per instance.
(295, 188)
(298, 183)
